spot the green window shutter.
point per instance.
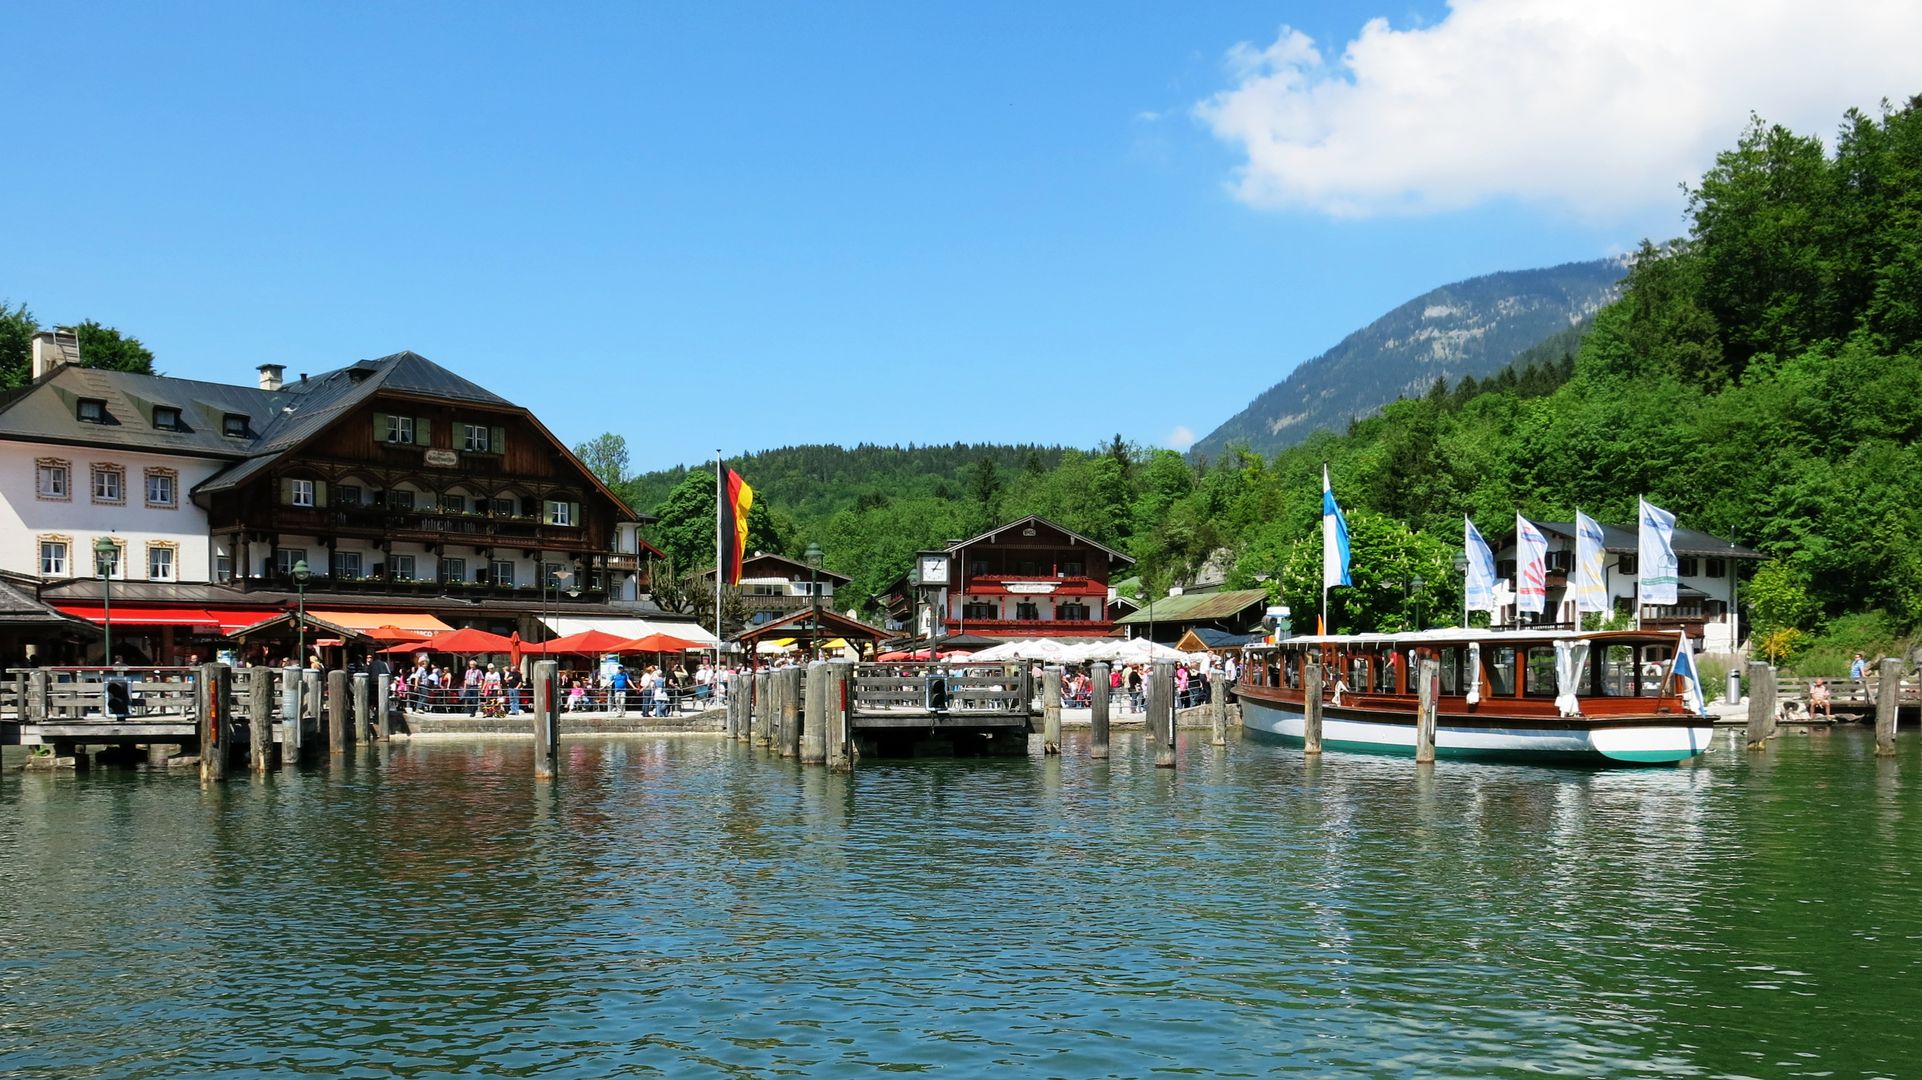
(574, 514)
(423, 432)
(383, 427)
(320, 493)
(497, 440)
(286, 491)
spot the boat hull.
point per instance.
(1598, 743)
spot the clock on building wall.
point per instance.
(931, 568)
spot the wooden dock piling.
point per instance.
(790, 726)
(1218, 697)
(384, 706)
(763, 730)
(740, 703)
(1761, 706)
(337, 712)
(1099, 674)
(547, 719)
(1888, 688)
(216, 725)
(310, 700)
(260, 718)
(840, 750)
(1161, 713)
(1051, 710)
(1430, 672)
(814, 717)
(292, 708)
(1311, 710)
(363, 698)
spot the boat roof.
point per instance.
(1457, 636)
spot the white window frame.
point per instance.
(477, 438)
(400, 567)
(160, 476)
(494, 575)
(155, 553)
(559, 512)
(53, 480)
(285, 565)
(300, 493)
(112, 476)
(59, 563)
(340, 562)
(400, 429)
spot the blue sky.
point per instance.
(745, 226)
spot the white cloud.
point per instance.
(1181, 438)
(1593, 107)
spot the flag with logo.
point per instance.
(1690, 678)
(1479, 585)
(1590, 590)
(1655, 556)
(1531, 567)
(1334, 537)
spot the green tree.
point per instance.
(984, 487)
(17, 327)
(106, 347)
(605, 456)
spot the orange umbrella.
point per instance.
(656, 643)
(588, 642)
(469, 640)
(514, 645)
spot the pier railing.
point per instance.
(979, 692)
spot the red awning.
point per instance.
(231, 621)
(141, 615)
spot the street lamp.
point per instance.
(301, 575)
(813, 555)
(1418, 584)
(106, 553)
(559, 580)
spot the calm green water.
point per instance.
(690, 907)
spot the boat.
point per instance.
(1566, 696)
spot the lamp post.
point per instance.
(559, 580)
(106, 554)
(1417, 585)
(301, 576)
(813, 557)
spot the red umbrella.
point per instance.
(514, 646)
(656, 643)
(407, 646)
(469, 640)
(587, 642)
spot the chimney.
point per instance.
(52, 348)
(270, 376)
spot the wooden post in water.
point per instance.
(337, 712)
(216, 726)
(310, 702)
(260, 718)
(1051, 710)
(363, 698)
(1761, 706)
(839, 755)
(740, 697)
(1888, 687)
(291, 709)
(763, 733)
(1425, 717)
(791, 712)
(814, 717)
(1098, 675)
(384, 706)
(1218, 696)
(1311, 710)
(547, 718)
(1161, 713)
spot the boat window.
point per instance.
(1291, 670)
(1451, 659)
(1501, 669)
(1652, 666)
(1386, 665)
(1357, 673)
(1617, 671)
(1541, 671)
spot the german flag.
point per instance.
(736, 499)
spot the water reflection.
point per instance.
(695, 905)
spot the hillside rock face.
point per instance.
(1473, 327)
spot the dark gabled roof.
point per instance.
(840, 625)
(1037, 519)
(796, 564)
(1197, 607)
(46, 411)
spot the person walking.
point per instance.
(1859, 675)
(617, 687)
(470, 687)
(512, 682)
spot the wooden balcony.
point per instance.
(1062, 585)
(381, 586)
(425, 526)
(1033, 627)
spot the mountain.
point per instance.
(1474, 327)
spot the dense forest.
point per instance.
(1761, 377)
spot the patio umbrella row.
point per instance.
(587, 642)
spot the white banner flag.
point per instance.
(1589, 590)
(1531, 567)
(1655, 556)
(1480, 571)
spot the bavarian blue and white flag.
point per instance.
(1479, 573)
(1590, 590)
(1690, 677)
(1531, 567)
(1334, 537)
(1655, 555)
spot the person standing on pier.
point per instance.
(1859, 675)
(617, 690)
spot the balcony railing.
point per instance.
(1034, 626)
(470, 590)
(425, 525)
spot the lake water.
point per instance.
(691, 907)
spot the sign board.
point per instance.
(443, 459)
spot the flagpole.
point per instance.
(1639, 568)
(719, 564)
